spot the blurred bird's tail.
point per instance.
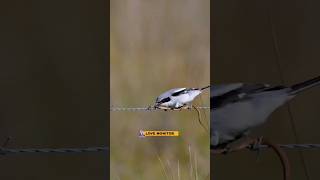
(297, 88)
(205, 88)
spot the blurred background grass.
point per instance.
(156, 46)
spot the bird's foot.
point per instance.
(179, 108)
(219, 151)
(243, 143)
(149, 108)
(257, 142)
(240, 144)
(256, 146)
(176, 109)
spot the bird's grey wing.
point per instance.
(179, 91)
(225, 94)
(233, 111)
(169, 93)
(216, 90)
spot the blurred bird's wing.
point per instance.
(179, 91)
(222, 95)
(169, 93)
(217, 90)
(237, 91)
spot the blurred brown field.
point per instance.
(156, 46)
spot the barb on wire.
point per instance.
(143, 108)
(6, 151)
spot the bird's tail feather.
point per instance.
(297, 88)
(205, 88)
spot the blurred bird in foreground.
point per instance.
(237, 108)
(178, 98)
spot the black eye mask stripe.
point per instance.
(167, 99)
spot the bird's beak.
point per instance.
(156, 105)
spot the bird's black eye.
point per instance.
(167, 99)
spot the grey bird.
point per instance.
(237, 108)
(177, 98)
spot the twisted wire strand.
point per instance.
(143, 108)
(6, 151)
(283, 146)
(295, 146)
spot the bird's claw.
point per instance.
(220, 151)
(149, 107)
(226, 150)
(245, 142)
(255, 146)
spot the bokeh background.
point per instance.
(53, 90)
(274, 42)
(156, 46)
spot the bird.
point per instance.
(177, 98)
(237, 108)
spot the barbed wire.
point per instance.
(283, 146)
(295, 146)
(144, 108)
(6, 151)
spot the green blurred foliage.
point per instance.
(156, 46)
